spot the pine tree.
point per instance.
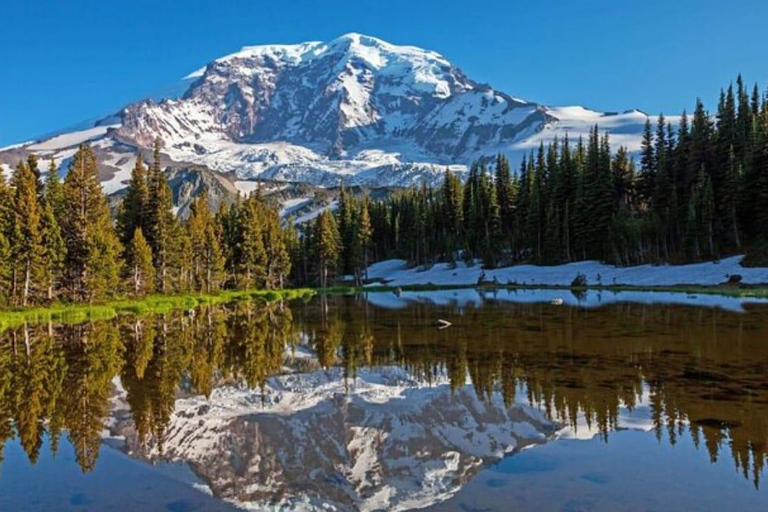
(52, 245)
(207, 258)
(452, 214)
(506, 194)
(522, 207)
(139, 264)
(345, 213)
(278, 260)
(54, 195)
(26, 241)
(33, 164)
(6, 196)
(92, 248)
(252, 259)
(599, 194)
(729, 201)
(759, 182)
(365, 235)
(161, 223)
(135, 207)
(647, 163)
(623, 178)
(327, 247)
(707, 215)
(490, 214)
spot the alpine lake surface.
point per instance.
(528, 400)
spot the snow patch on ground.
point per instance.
(313, 214)
(247, 187)
(397, 273)
(291, 205)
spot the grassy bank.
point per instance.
(74, 313)
(725, 290)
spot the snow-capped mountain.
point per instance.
(383, 440)
(356, 108)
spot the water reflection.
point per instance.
(374, 405)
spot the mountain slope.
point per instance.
(356, 109)
(383, 440)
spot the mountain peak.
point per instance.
(356, 107)
(372, 50)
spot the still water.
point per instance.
(608, 402)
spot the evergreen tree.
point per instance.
(365, 235)
(252, 261)
(139, 264)
(506, 195)
(135, 207)
(54, 194)
(26, 241)
(5, 245)
(278, 260)
(647, 163)
(327, 247)
(160, 222)
(452, 215)
(52, 244)
(346, 223)
(207, 258)
(92, 264)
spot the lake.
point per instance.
(612, 401)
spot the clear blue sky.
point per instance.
(62, 62)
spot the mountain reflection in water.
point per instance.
(341, 401)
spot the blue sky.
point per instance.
(65, 62)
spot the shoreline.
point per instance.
(743, 291)
(76, 313)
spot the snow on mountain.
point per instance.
(382, 440)
(67, 140)
(320, 439)
(357, 109)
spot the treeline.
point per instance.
(58, 241)
(699, 191)
(53, 383)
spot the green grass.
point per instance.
(76, 313)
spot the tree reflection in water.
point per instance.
(703, 371)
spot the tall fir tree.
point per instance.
(6, 196)
(134, 209)
(141, 272)
(365, 235)
(92, 264)
(26, 239)
(53, 247)
(207, 257)
(327, 247)
(161, 223)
